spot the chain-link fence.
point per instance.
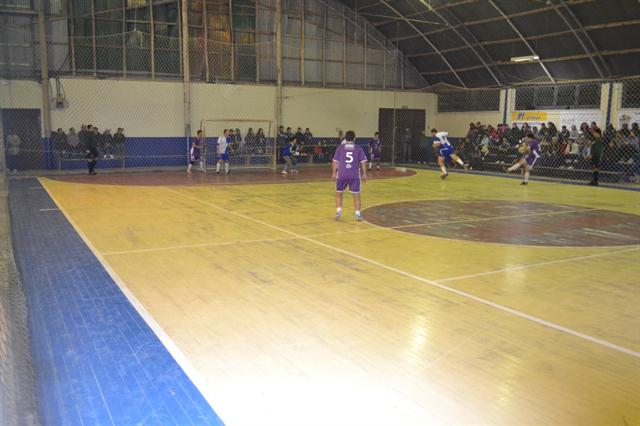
(568, 120)
(17, 388)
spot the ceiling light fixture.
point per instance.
(530, 58)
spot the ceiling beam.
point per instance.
(587, 37)
(548, 60)
(466, 42)
(394, 10)
(515, 29)
(530, 38)
(580, 42)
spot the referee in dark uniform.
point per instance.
(92, 149)
(596, 154)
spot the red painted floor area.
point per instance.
(237, 177)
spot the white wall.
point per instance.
(457, 123)
(154, 108)
(325, 110)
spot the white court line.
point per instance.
(49, 210)
(432, 283)
(199, 382)
(533, 265)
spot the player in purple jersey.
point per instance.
(531, 149)
(348, 169)
(375, 151)
(195, 152)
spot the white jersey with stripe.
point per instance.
(222, 144)
(441, 137)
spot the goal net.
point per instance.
(252, 143)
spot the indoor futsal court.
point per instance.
(447, 290)
(319, 213)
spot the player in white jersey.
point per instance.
(445, 152)
(223, 152)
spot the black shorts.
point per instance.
(595, 162)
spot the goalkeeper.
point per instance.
(290, 154)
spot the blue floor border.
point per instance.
(95, 359)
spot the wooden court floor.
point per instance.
(469, 301)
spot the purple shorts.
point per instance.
(352, 183)
(531, 160)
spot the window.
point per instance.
(572, 96)
(631, 94)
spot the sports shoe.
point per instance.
(339, 215)
(284, 172)
(524, 183)
(593, 183)
(359, 217)
(466, 166)
(227, 172)
(443, 176)
(217, 172)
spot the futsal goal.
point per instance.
(252, 144)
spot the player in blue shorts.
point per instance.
(445, 152)
(196, 152)
(223, 152)
(348, 169)
(530, 147)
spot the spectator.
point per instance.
(240, 142)
(625, 129)
(609, 134)
(308, 137)
(535, 132)
(92, 148)
(514, 135)
(250, 137)
(13, 150)
(59, 142)
(107, 144)
(340, 137)
(300, 136)
(633, 139)
(553, 130)
(118, 142)
(73, 141)
(425, 149)
(573, 133)
(261, 139)
(635, 129)
(82, 134)
(544, 133)
(564, 134)
(289, 134)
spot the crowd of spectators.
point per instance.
(74, 145)
(564, 148)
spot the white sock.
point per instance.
(339, 209)
(514, 167)
(201, 166)
(370, 164)
(444, 170)
(459, 161)
(189, 167)
(357, 212)
(226, 167)
(218, 167)
(526, 176)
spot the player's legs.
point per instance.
(294, 162)
(189, 166)
(517, 165)
(442, 166)
(287, 164)
(458, 160)
(595, 167)
(339, 196)
(525, 173)
(357, 205)
(226, 166)
(218, 164)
